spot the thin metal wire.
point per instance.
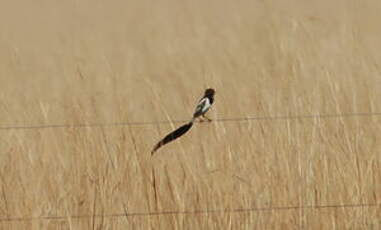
(147, 123)
(191, 212)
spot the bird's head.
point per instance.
(209, 92)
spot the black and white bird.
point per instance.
(202, 107)
(204, 104)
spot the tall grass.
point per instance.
(117, 61)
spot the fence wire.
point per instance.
(190, 212)
(147, 123)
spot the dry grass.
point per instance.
(65, 62)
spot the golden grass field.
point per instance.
(104, 62)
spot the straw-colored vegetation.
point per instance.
(79, 62)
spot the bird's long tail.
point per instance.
(173, 135)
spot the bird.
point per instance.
(204, 104)
(202, 108)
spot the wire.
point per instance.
(190, 212)
(147, 123)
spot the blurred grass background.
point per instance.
(79, 62)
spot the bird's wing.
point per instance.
(202, 107)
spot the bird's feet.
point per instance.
(207, 118)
